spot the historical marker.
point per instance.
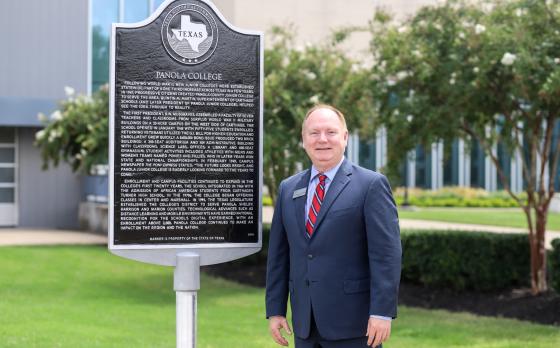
(186, 136)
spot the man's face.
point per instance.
(324, 139)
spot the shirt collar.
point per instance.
(329, 173)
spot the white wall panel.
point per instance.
(44, 47)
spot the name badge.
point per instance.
(299, 192)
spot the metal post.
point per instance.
(186, 282)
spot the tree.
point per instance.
(77, 132)
(295, 80)
(487, 72)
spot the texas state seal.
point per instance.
(189, 34)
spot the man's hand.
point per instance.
(378, 331)
(275, 324)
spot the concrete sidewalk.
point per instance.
(20, 236)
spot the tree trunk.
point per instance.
(271, 185)
(538, 251)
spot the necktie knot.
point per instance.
(322, 179)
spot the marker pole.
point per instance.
(186, 283)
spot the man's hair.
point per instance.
(328, 107)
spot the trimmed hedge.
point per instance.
(459, 202)
(454, 196)
(554, 265)
(260, 257)
(267, 201)
(456, 260)
(466, 260)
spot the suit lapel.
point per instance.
(299, 203)
(340, 180)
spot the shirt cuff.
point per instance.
(381, 317)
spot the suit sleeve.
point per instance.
(384, 247)
(278, 264)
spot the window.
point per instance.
(156, 4)
(367, 154)
(477, 165)
(451, 164)
(7, 170)
(136, 10)
(104, 13)
(504, 158)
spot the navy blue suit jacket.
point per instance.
(349, 269)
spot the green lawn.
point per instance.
(483, 216)
(85, 297)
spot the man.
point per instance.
(334, 246)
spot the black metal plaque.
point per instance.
(185, 130)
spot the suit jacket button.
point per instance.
(310, 256)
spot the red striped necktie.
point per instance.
(316, 202)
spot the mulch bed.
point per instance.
(513, 303)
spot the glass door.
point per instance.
(8, 176)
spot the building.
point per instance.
(44, 47)
(48, 45)
(461, 165)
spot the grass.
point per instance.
(481, 216)
(85, 297)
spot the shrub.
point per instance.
(267, 201)
(456, 197)
(260, 257)
(554, 268)
(465, 260)
(77, 133)
(457, 260)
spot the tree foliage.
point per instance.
(487, 72)
(295, 80)
(77, 132)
